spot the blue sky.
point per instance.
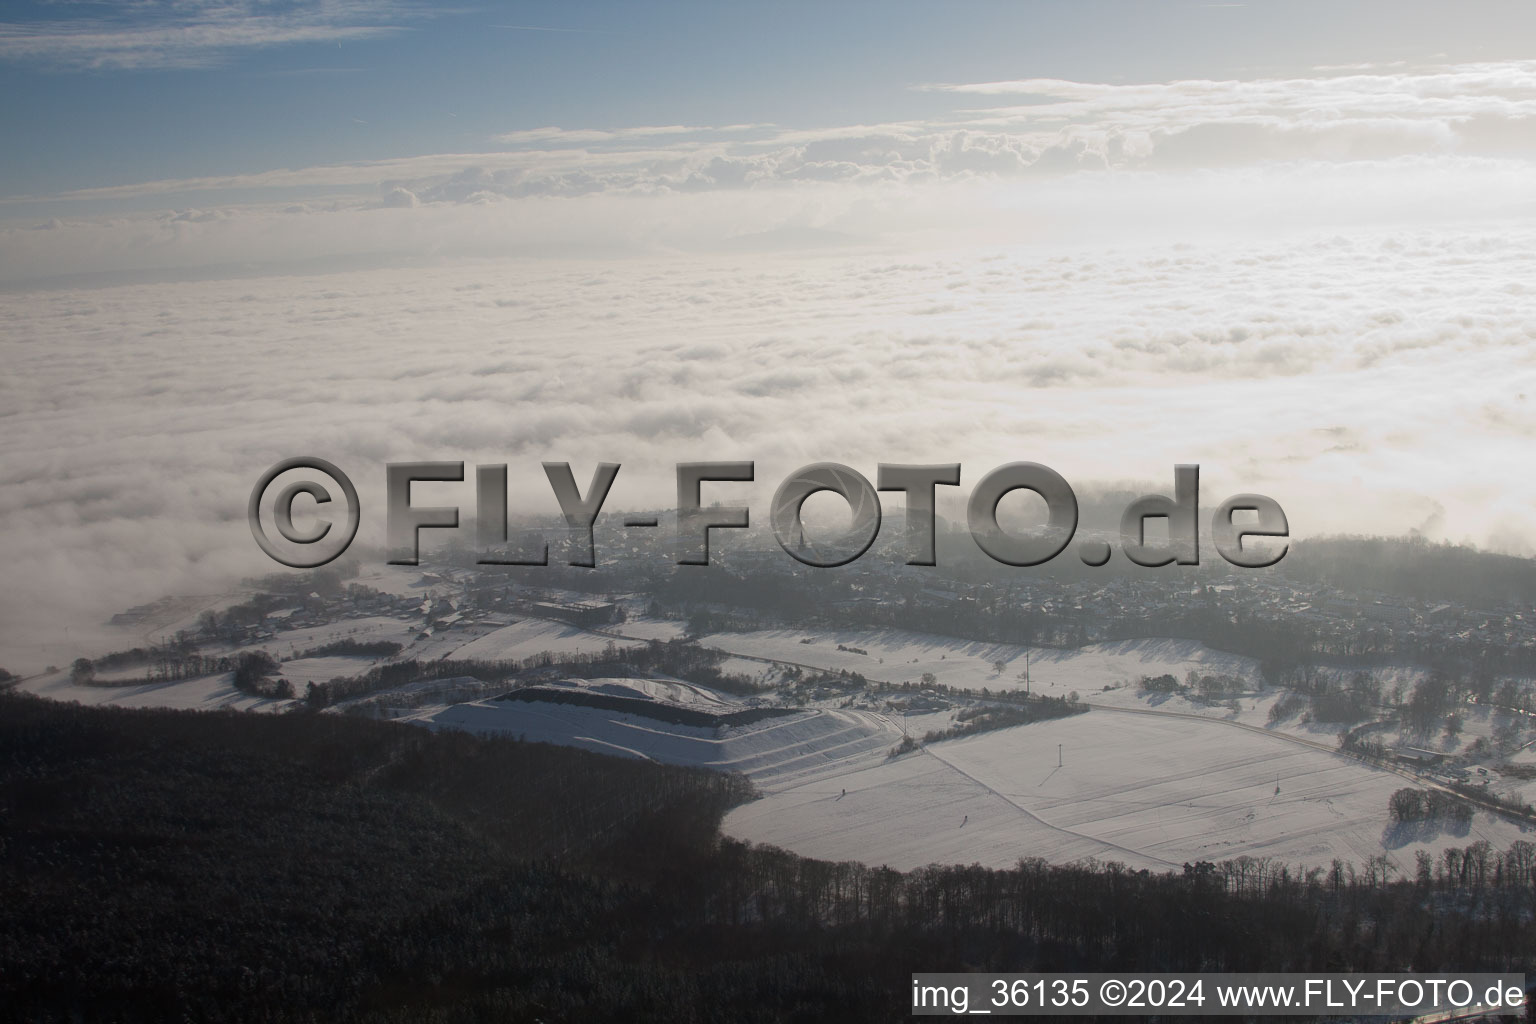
(110, 94)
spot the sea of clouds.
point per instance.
(1318, 289)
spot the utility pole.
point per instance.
(1058, 755)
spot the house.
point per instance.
(1418, 757)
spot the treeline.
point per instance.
(251, 671)
(1503, 801)
(1416, 805)
(982, 718)
(182, 658)
(1207, 687)
(253, 674)
(1434, 704)
(176, 659)
(1322, 697)
(219, 867)
(349, 648)
(930, 682)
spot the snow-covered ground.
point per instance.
(365, 629)
(897, 656)
(528, 637)
(1148, 790)
(206, 693)
(1153, 780)
(1479, 722)
(303, 671)
(1106, 674)
(650, 629)
(787, 750)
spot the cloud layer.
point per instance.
(1048, 128)
(1372, 381)
(1319, 289)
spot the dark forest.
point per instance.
(162, 865)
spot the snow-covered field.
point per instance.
(1151, 780)
(303, 671)
(1150, 791)
(370, 628)
(207, 693)
(1106, 675)
(899, 656)
(528, 637)
(650, 629)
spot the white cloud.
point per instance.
(190, 34)
(470, 213)
(553, 136)
(1366, 379)
(1472, 111)
(400, 199)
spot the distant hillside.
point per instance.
(1413, 567)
